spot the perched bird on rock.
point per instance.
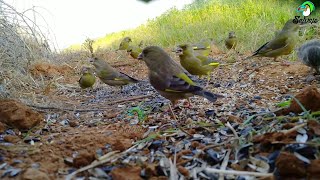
(87, 79)
(309, 54)
(169, 78)
(193, 64)
(125, 43)
(109, 75)
(231, 42)
(203, 47)
(282, 44)
(134, 51)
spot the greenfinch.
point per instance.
(193, 64)
(231, 42)
(169, 78)
(125, 43)
(134, 51)
(109, 75)
(203, 47)
(282, 44)
(309, 54)
(87, 79)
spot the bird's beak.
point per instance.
(140, 56)
(179, 51)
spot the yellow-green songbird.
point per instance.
(134, 51)
(87, 79)
(309, 54)
(282, 44)
(192, 64)
(203, 47)
(169, 78)
(125, 43)
(109, 75)
(231, 42)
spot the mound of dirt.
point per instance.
(49, 70)
(17, 115)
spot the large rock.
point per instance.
(309, 97)
(34, 174)
(18, 115)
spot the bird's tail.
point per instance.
(208, 95)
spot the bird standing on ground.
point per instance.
(203, 47)
(125, 43)
(309, 54)
(231, 42)
(87, 79)
(193, 64)
(109, 75)
(169, 78)
(134, 51)
(282, 44)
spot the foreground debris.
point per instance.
(119, 133)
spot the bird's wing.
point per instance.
(180, 83)
(123, 76)
(276, 43)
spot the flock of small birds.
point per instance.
(173, 80)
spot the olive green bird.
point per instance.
(282, 44)
(124, 44)
(87, 79)
(169, 78)
(309, 54)
(109, 75)
(134, 51)
(193, 64)
(232, 41)
(203, 47)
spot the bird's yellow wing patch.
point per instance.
(184, 77)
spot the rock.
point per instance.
(83, 159)
(34, 174)
(11, 139)
(2, 128)
(295, 168)
(129, 173)
(17, 115)
(309, 97)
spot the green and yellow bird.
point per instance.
(232, 41)
(169, 78)
(282, 44)
(134, 51)
(109, 75)
(124, 44)
(203, 47)
(87, 79)
(193, 64)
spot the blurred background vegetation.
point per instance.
(254, 22)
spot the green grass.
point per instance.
(254, 22)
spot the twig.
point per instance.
(233, 172)
(232, 129)
(294, 128)
(129, 99)
(294, 142)
(224, 163)
(65, 109)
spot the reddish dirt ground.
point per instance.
(54, 142)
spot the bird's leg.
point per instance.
(170, 108)
(208, 79)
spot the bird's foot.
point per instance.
(285, 63)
